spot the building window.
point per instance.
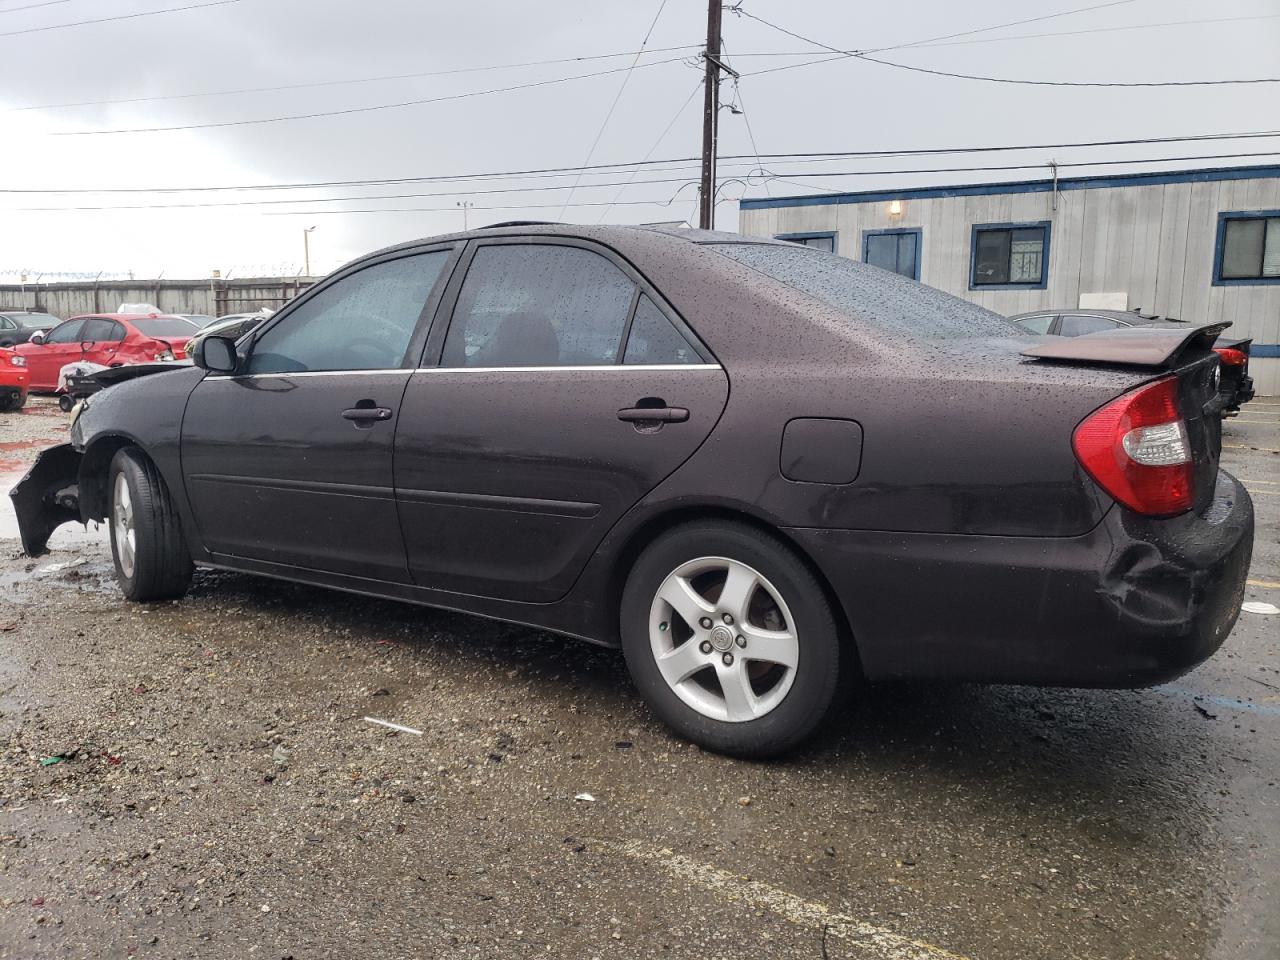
(895, 250)
(826, 242)
(1248, 248)
(1010, 255)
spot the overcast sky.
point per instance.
(843, 105)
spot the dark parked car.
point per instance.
(758, 468)
(1236, 386)
(233, 327)
(18, 326)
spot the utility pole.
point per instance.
(465, 205)
(710, 118)
(306, 251)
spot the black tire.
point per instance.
(162, 566)
(65, 403)
(10, 402)
(812, 695)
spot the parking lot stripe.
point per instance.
(1245, 446)
(874, 941)
(1269, 584)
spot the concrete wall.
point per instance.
(1155, 243)
(209, 297)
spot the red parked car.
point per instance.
(111, 339)
(14, 380)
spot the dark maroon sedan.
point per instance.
(758, 468)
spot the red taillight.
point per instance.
(1231, 357)
(1136, 448)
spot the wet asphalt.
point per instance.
(198, 779)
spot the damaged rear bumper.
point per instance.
(1132, 603)
(47, 497)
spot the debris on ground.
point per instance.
(400, 728)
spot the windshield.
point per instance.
(870, 294)
(164, 326)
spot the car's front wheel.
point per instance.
(730, 639)
(151, 555)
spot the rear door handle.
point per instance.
(366, 414)
(654, 414)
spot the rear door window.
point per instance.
(101, 330)
(1078, 324)
(362, 322)
(655, 340)
(538, 305)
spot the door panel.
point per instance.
(508, 479)
(44, 360)
(275, 472)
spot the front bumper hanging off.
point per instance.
(47, 497)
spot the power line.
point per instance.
(1077, 33)
(634, 165)
(337, 83)
(864, 55)
(369, 109)
(653, 149)
(32, 6)
(684, 181)
(626, 78)
(123, 16)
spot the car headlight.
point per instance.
(18, 360)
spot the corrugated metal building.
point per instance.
(1199, 245)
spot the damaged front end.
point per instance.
(47, 497)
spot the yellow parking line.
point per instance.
(1245, 446)
(875, 941)
(1267, 584)
(1265, 493)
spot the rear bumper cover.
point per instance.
(1132, 603)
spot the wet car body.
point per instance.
(1236, 386)
(14, 380)
(109, 339)
(929, 484)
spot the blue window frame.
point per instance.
(819, 241)
(1009, 256)
(1247, 250)
(896, 250)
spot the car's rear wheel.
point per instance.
(730, 639)
(11, 400)
(151, 555)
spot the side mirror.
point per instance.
(216, 354)
(37, 337)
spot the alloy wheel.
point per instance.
(723, 639)
(122, 523)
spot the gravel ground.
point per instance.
(198, 779)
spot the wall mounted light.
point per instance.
(895, 208)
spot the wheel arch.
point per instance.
(95, 464)
(653, 527)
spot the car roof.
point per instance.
(128, 317)
(619, 235)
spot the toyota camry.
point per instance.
(759, 469)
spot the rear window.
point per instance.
(869, 294)
(164, 326)
(41, 321)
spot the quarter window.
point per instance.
(897, 251)
(363, 322)
(1249, 248)
(538, 305)
(654, 340)
(1013, 255)
(68, 332)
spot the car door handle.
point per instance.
(654, 414)
(366, 414)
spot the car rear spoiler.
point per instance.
(1130, 346)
